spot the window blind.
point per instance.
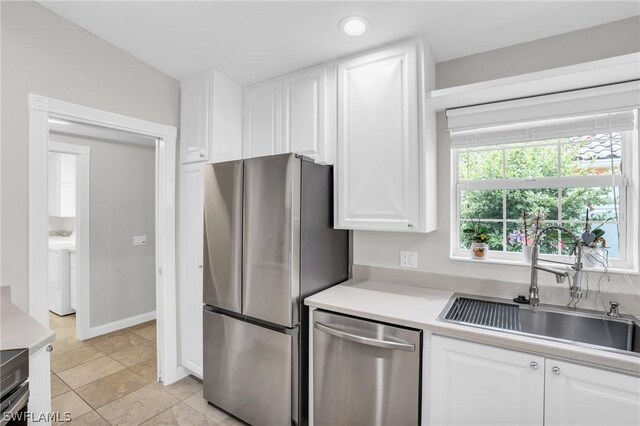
(581, 112)
(541, 130)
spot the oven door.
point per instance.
(14, 406)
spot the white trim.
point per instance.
(588, 74)
(515, 259)
(69, 148)
(83, 181)
(41, 109)
(594, 181)
(120, 324)
(629, 218)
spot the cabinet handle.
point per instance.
(200, 266)
(534, 365)
(202, 155)
(49, 348)
(556, 371)
(410, 225)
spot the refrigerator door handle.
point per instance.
(365, 340)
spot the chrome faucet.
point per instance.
(575, 289)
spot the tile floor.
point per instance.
(111, 380)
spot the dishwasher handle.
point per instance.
(365, 340)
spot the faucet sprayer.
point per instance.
(575, 289)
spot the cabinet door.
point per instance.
(195, 121)
(262, 125)
(475, 384)
(190, 290)
(304, 103)
(377, 162)
(580, 395)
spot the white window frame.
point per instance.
(629, 197)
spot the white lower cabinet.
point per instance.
(39, 386)
(580, 395)
(191, 230)
(477, 384)
(474, 384)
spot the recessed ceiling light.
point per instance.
(354, 25)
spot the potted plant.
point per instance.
(479, 235)
(594, 251)
(525, 237)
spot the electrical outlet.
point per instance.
(409, 259)
(140, 240)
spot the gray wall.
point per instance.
(590, 44)
(382, 249)
(43, 53)
(122, 195)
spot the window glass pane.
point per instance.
(544, 201)
(493, 231)
(592, 155)
(532, 161)
(611, 239)
(550, 240)
(481, 164)
(516, 237)
(601, 202)
(481, 204)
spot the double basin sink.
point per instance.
(577, 326)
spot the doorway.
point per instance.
(42, 110)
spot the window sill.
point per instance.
(520, 263)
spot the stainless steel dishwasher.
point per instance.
(365, 372)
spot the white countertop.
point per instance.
(18, 330)
(419, 307)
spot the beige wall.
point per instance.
(122, 204)
(590, 44)
(44, 54)
(383, 248)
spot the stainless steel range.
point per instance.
(14, 388)
(269, 243)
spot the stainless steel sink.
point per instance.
(577, 326)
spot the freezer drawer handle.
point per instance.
(365, 340)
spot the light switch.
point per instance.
(409, 259)
(140, 240)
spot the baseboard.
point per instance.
(120, 324)
(193, 369)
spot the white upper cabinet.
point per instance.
(210, 119)
(381, 157)
(580, 395)
(305, 103)
(262, 120)
(62, 184)
(290, 114)
(474, 384)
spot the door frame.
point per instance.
(83, 173)
(41, 108)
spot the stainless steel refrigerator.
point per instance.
(268, 243)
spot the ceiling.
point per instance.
(254, 41)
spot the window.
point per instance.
(555, 170)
